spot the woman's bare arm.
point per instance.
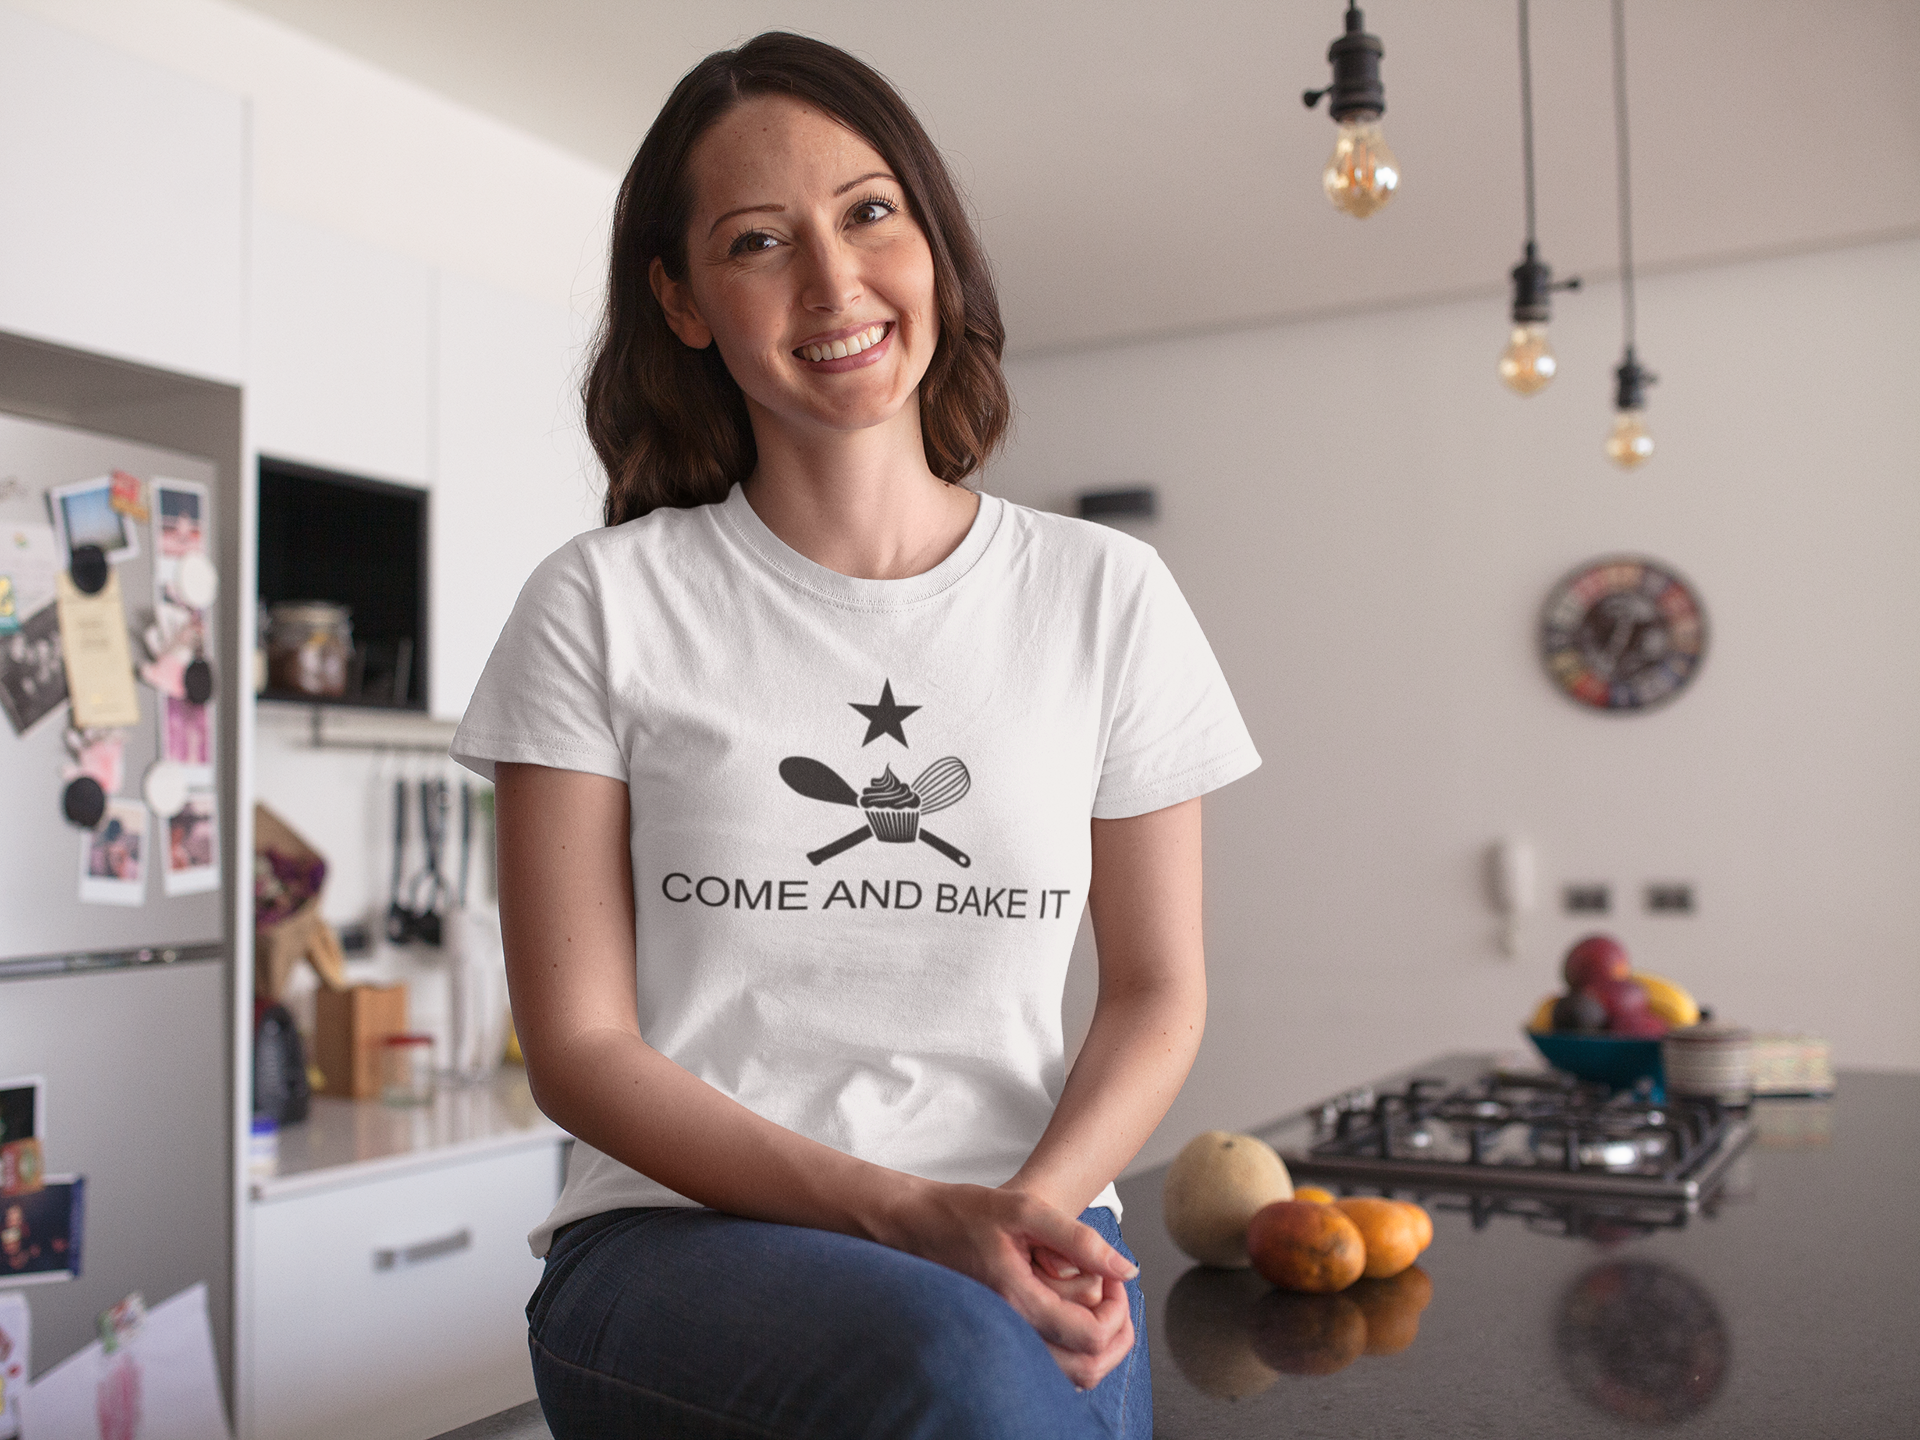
(1145, 902)
(567, 913)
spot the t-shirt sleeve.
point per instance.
(1175, 732)
(542, 699)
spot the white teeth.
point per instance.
(852, 345)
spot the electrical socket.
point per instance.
(1670, 897)
(1586, 898)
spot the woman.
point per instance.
(807, 765)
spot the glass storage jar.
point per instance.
(406, 1070)
(309, 646)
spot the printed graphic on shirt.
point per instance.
(892, 810)
(884, 718)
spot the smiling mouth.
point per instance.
(851, 345)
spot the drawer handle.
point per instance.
(398, 1257)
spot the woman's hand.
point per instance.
(1022, 1249)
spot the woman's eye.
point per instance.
(754, 242)
(868, 211)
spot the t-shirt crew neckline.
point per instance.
(852, 591)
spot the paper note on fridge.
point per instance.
(29, 560)
(99, 659)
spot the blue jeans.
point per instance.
(672, 1324)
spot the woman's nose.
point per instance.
(833, 276)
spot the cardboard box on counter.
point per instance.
(348, 1027)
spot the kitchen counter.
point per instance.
(346, 1142)
(1791, 1308)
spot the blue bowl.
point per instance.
(1615, 1060)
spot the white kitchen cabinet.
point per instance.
(511, 469)
(340, 339)
(122, 204)
(390, 1306)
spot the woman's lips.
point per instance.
(875, 340)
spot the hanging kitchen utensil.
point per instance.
(428, 891)
(466, 837)
(399, 918)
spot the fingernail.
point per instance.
(1133, 1272)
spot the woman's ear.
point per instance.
(676, 302)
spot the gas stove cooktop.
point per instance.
(1467, 1124)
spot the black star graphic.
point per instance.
(884, 718)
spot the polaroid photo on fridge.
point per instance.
(23, 1109)
(180, 512)
(186, 731)
(113, 856)
(41, 1232)
(83, 514)
(191, 864)
(33, 672)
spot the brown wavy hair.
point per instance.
(667, 421)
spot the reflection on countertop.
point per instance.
(344, 1142)
(1789, 1306)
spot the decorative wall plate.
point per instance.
(1623, 633)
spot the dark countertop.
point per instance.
(1792, 1309)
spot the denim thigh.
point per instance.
(681, 1323)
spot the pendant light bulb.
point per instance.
(1527, 365)
(1630, 443)
(1362, 174)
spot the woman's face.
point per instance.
(806, 268)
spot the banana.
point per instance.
(1667, 1000)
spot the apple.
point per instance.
(1645, 1025)
(1622, 998)
(1596, 958)
(1580, 1013)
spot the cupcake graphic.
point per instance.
(892, 809)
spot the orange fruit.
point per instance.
(1422, 1222)
(1392, 1308)
(1308, 1334)
(1299, 1245)
(1315, 1194)
(1389, 1230)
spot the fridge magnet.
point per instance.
(83, 514)
(33, 679)
(160, 1384)
(184, 581)
(97, 654)
(113, 857)
(192, 862)
(41, 1233)
(23, 1167)
(186, 731)
(164, 787)
(9, 606)
(83, 802)
(124, 494)
(88, 569)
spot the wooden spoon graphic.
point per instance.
(816, 781)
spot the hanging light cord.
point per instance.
(1526, 117)
(1626, 169)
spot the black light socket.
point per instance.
(1533, 285)
(1355, 58)
(1630, 381)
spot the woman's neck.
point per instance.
(862, 502)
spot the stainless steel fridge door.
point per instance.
(40, 853)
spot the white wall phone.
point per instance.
(1511, 876)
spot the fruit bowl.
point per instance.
(1616, 1060)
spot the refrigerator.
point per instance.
(116, 951)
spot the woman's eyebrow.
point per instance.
(772, 209)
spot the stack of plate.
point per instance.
(1709, 1060)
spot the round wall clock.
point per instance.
(1623, 633)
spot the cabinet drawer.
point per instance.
(394, 1309)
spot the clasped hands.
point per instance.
(1057, 1274)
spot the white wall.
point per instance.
(1366, 523)
(340, 144)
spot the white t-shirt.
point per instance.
(860, 834)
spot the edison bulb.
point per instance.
(1629, 446)
(1527, 365)
(1362, 174)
